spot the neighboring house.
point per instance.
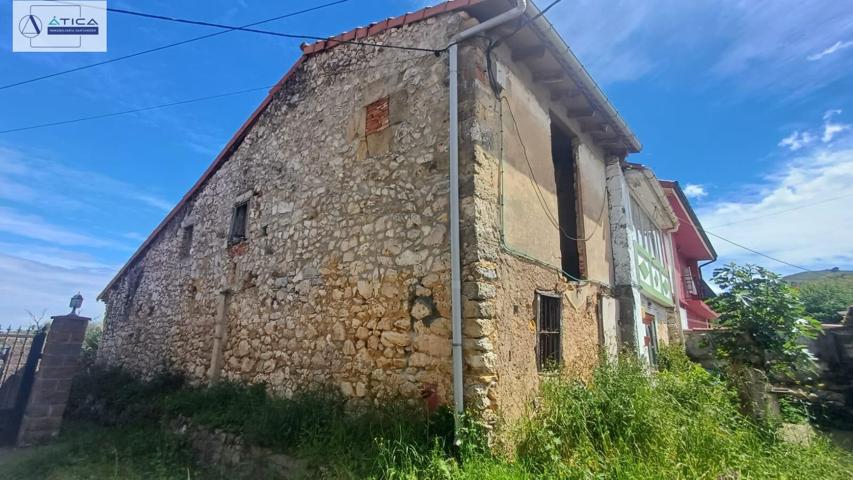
(641, 221)
(316, 250)
(691, 247)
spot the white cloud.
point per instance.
(30, 178)
(692, 190)
(35, 227)
(832, 129)
(758, 47)
(799, 214)
(797, 140)
(839, 45)
(43, 287)
(831, 113)
(801, 139)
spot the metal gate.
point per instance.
(20, 351)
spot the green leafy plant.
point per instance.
(679, 423)
(763, 320)
(91, 342)
(823, 299)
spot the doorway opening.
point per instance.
(565, 173)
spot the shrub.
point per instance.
(763, 319)
(679, 423)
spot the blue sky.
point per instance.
(747, 104)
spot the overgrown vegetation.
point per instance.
(681, 422)
(763, 321)
(824, 299)
(89, 451)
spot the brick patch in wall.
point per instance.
(377, 116)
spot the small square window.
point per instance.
(187, 241)
(548, 328)
(239, 219)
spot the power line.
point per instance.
(269, 32)
(170, 45)
(702, 229)
(198, 99)
(135, 110)
(756, 251)
(784, 211)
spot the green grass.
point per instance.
(681, 423)
(89, 451)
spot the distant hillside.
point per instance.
(824, 293)
(834, 275)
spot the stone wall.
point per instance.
(511, 251)
(343, 278)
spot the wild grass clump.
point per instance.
(319, 425)
(679, 423)
(86, 450)
(625, 422)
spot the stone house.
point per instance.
(316, 249)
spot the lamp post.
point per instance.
(76, 302)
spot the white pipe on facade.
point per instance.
(453, 147)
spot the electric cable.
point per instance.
(541, 196)
(267, 32)
(169, 45)
(194, 100)
(699, 227)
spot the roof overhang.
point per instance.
(553, 64)
(690, 238)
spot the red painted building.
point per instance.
(691, 247)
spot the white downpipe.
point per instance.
(453, 147)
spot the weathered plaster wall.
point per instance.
(502, 283)
(344, 277)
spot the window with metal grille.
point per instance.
(548, 323)
(238, 222)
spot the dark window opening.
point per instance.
(548, 323)
(187, 241)
(567, 205)
(238, 222)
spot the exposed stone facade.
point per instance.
(343, 278)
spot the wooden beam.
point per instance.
(617, 150)
(537, 51)
(557, 93)
(601, 128)
(612, 144)
(603, 137)
(550, 77)
(587, 113)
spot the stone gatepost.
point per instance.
(59, 363)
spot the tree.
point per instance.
(763, 320)
(825, 298)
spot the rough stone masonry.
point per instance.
(343, 275)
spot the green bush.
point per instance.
(679, 423)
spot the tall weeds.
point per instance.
(625, 423)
